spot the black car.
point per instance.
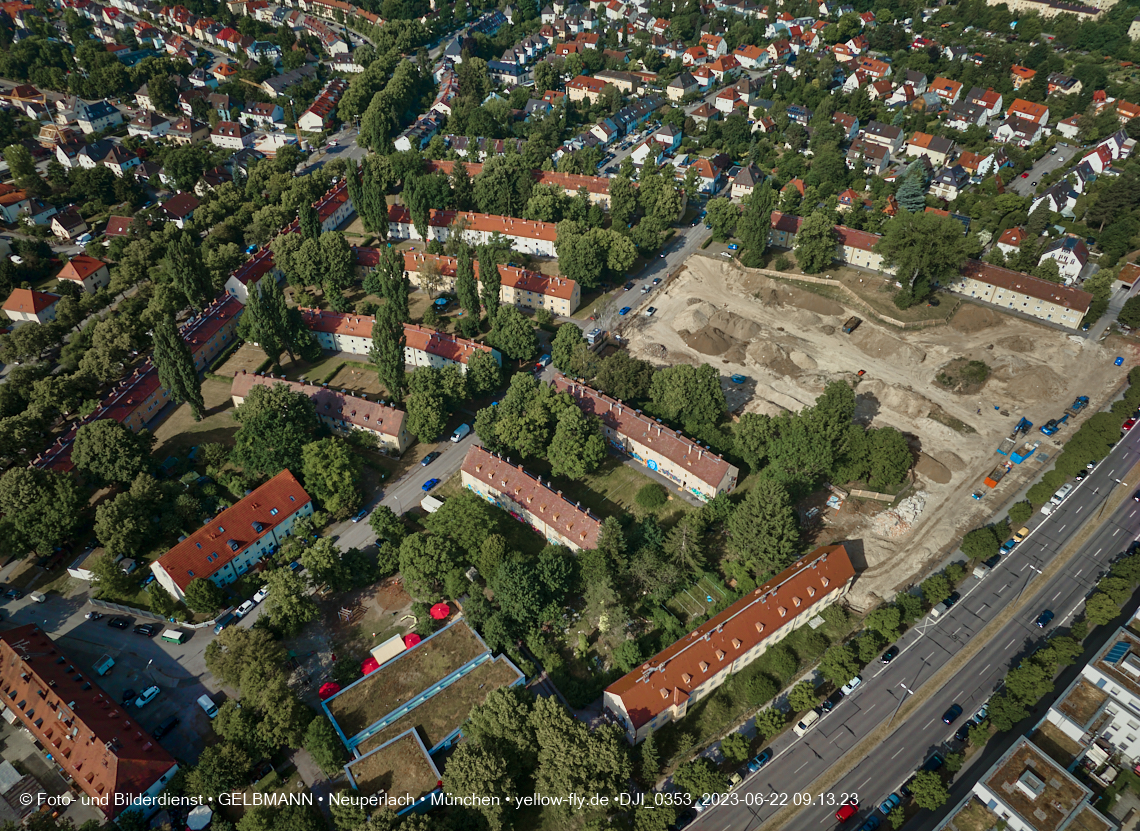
(829, 703)
(952, 599)
(13, 594)
(889, 655)
(993, 561)
(147, 629)
(120, 622)
(951, 715)
(963, 732)
(933, 763)
(628, 286)
(1081, 475)
(166, 727)
(129, 695)
(429, 458)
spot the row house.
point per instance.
(341, 412)
(559, 519)
(231, 135)
(337, 332)
(525, 235)
(1019, 292)
(597, 188)
(329, 39)
(321, 112)
(422, 130)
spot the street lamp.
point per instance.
(902, 698)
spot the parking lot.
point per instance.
(1026, 184)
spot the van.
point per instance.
(1062, 493)
(461, 431)
(174, 636)
(39, 597)
(225, 620)
(208, 706)
(806, 723)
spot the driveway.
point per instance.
(1027, 185)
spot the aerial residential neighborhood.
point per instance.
(571, 415)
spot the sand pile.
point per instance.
(932, 469)
(905, 402)
(1018, 343)
(694, 317)
(1028, 379)
(970, 319)
(898, 521)
(878, 344)
(774, 357)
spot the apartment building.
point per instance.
(663, 688)
(235, 540)
(250, 273)
(559, 519)
(352, 333)
(664, 451)
(90, 739)
(586, 88)
(1022, 293)
(1050, 8)
(208, 333)
(343, 413)
(525, 235)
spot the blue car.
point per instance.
(623, 311)
(890, 803)
(759, 761)
(429, 484)
(1008, 545)
(871, 824)
(1044, 619)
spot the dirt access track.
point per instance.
(789, 343)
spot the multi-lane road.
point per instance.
(931, 644)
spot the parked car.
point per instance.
(890, 803)
(851, 685)
(245, 608)
(120, 622)
(951, 715)
(147, 629)
(759, 760)
(148, 695)
(831, 702)
(871, 824)
(889, 655)
(650, 311)
(623, 311)
(963, 732)
(1021, 534)
(261, 594)
(129, 695)
(166, 727)
(429, 484)
(952, 599)
(429, 458)
(628, 286)
(845, 812)
(1008, 546)
(1044, 619)
(363, 513)
(13, 594)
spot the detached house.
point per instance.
(1070, 254)
(68, 224)
(88, 273)
(946, 89)
(939, 150)
(1021, 75)
(746, 181)
(98, 116)
(950, 182)
(885, 135)
(1010, 240)
(1028, 110)
(231, 135)
(31, 306)
(682, 85)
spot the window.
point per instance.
(198, 544)
(190, 573)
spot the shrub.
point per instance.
(782, 263)
(1019, 512)
(651, 496)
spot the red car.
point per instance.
(1025, 175)
(1126, 426)
(846, 812)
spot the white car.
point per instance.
(851, 685)
(148, 695)
(245, 608)
(261, 594)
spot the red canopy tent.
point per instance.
(328, 689)
(440, 611)
(411, 639)
(371, 665)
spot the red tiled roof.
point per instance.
(863, 240)
(671, 675)
(29, 301)
(442, 344)
(80, 267)
(519, 279)
(197, 332)
(1016, 281)
(573, 522)
(234, 530)
(110, 754)
(254, 268)
(371, 415)
(118, 226)
(180, 206)
(789, 223)
(489, 223)
(701, 464)
(1012, 237)
(328, 204)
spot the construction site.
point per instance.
(788, 342)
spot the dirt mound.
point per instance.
(692, 301)
(710, 340)
(813, 303)
(932, 469)
(803, 360)
(905, 402)
(1029, 379)
(953, 461)
(805, 320)
(735, 325)
(827, 330)
(656, 351)
(1018, 343)
(769, 354)
(971, 318)
(878, 344)
(694, 317)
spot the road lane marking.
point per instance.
(1058, 594)
(987, 666)
(1062, 528)
(1097, 554)
(897, 752)
(804, 765)
(1011, 643)
(1078, 574)
(1079, 508)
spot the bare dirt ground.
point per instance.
(789, 344)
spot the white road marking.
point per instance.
(930, 723)
(1062, 528)
(804, 765)
(1011, 643)
(1079, 508)
(987, 666)
(1058, 594)
(897, 752)
(1097, 554)
(1078, 574)
(1117, 531)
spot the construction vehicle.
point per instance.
(1007, 444)
(851, 325)
(1023, 427)
(1079, 404)
(1024, 452)
(1054, 425)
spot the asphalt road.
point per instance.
(926, 648)
(1026, 186)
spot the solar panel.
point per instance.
(1118, 651)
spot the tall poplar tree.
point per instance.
(256, 325)
(187, 271)
(308, 220)
(387, 352)
(465, 287)
(175, 367)
(489, 277)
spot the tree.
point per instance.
(567, 339)
(20, 162)
(204, 596)
(331, 470)
(755, 224)
(123, 524)
(323, 744)
(1020, 512)
(1129, 314)
(839, 665)
(769, 722)
(689, 394)
(426, 560)
(239, 726)
(763, 531)
(815, 243)
(683, 543)
(886, 620)
(578, 446)
(309, 222)
(889, 457)
(484, 375)
(465, 288)
(928, 790)
(935, 588)
(187, 272)
(111, 452)
(734, 747)
(699, 777)
(221, 768)
(276, 424)
(803, 697)
(513, 335)
(477, 768)
(386, 525)
(981, 543)
(388, 343)
(722, 214)
(574, 759)
(490, 281)
(1101, 609)
(924, 248)
(651, 496)
(175, 365)
(467, 520)
(41, 508)
(911, 194)
(111, 579)
(257, 327)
